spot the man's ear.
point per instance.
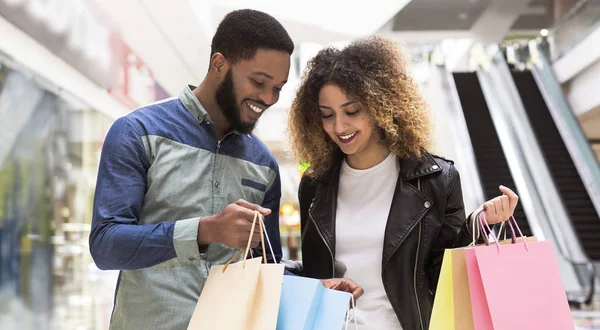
(219, 64)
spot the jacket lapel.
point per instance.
(324, 207)
(323, 212)
(409, 204)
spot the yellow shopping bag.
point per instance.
(240, 296)
(442, 316)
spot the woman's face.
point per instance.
(345, 121)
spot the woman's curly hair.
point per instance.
(374, 73)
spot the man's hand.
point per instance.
(344, 284)
(232, 226)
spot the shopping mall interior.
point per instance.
(512, 86)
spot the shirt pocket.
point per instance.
(253, 184)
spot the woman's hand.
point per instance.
(500, 208)
(344, 284)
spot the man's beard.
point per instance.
(226, 100)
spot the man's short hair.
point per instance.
(242, 32)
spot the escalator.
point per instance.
(491, 161)
(570, 186)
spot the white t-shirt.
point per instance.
(363, 205)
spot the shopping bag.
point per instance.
(463, 314)
(452, 308)
(241, 296)
(333, 311)
(442, 315)
(517, 286)
(307, 305)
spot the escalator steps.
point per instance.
(491, 162)
(576, 199)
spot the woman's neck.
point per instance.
(367, 158)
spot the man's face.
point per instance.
(251, 86)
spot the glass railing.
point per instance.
(576, 142)
(574, 26)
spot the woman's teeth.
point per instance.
(255, 108)
(346, 137)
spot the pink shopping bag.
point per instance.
(517, 286)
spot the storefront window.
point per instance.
(49, 150)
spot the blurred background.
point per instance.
(513, 86)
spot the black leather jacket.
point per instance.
(427, 216)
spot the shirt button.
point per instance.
(434, 167)
(427, 205)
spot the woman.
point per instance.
(376, 207)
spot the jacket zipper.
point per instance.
(415, 278)
(416, 263)
(310, 216)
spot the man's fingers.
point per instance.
(256, 238)
(253, 207)
(246, 213)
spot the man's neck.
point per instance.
(206, 96)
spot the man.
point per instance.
(179, 180)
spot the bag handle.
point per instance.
(268, 241)
(257, 218)
(512, 223)
(504, 228)
(476, 229)
(348, 317)
(485, 228)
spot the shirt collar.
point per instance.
(193, 105)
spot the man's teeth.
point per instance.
(346, 137)
(255, 108)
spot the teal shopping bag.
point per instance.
(307, 305)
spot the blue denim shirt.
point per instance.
(161, 170)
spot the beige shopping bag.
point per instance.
(241, 296)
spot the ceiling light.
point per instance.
(544, 32)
